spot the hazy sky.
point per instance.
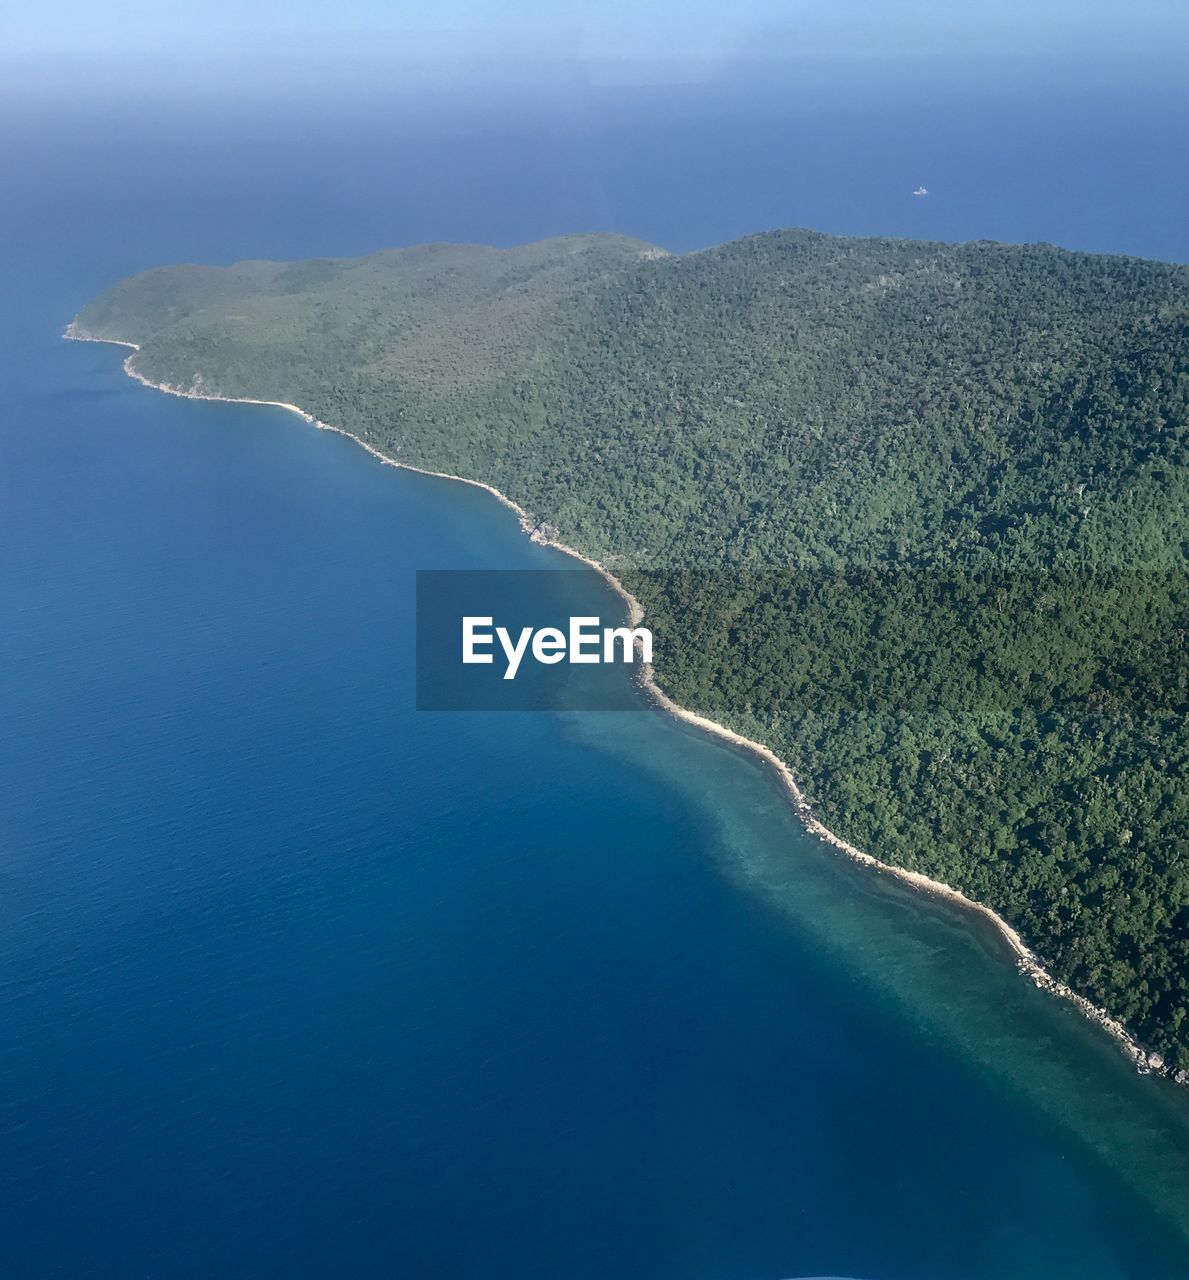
(189, 30)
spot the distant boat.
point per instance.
(921, 191)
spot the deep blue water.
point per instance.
(296, 981)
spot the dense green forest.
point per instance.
(916, 515)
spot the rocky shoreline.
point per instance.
(1145, 1061)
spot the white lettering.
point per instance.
(580, 636)
(471, 637)
(513, 652)
(549, 645)
(641, 637)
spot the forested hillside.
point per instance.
(916, 515)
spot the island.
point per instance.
(913, 517)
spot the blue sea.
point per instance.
(297, 981)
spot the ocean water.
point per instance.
(298, 981)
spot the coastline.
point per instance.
(1027, 961)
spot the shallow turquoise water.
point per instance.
(297, 981)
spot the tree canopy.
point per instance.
(913, 514)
